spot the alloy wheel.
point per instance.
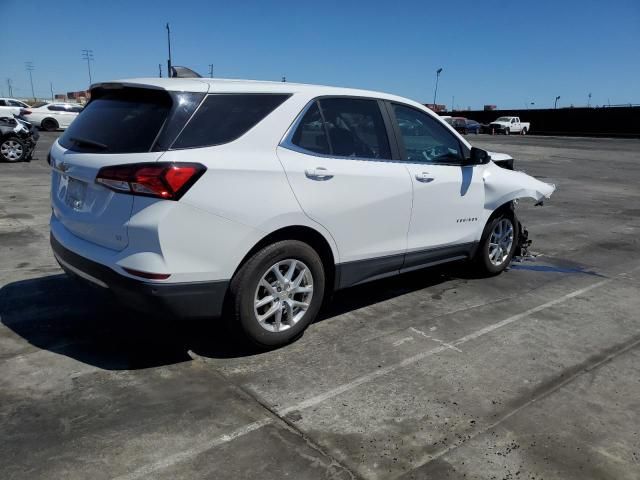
(11, 150)
(500, 242)
(283, 295)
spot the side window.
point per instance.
(223, 118)
(355, 128)
(55, 108)
(3, 103)
(425, 139)
(311, 134)
(75, 109)
(13, 103)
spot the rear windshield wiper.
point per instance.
(89, 143)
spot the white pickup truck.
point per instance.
(509, 125)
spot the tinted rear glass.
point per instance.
(125, 120)
(223, 118)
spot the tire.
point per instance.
(49, 125)
(12, 149)
(524, 131)
(256, 281)
(507, 131)
(492, 260)
(465, 131)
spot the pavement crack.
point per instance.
(547, 388)
(334, 464)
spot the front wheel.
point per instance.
(277, 293)
(507, 131)
(12, 149)
(498, 244)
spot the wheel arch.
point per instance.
(305, 234)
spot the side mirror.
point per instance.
(478, 157)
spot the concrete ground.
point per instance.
(529, 375)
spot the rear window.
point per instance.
(223, 118)
(125, 120)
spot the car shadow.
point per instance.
(61, 315)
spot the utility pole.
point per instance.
(88, 56)
(211, 70)
(30, 68)
(453, 101)
(51, 87)
(10, 87)
(589, 101)
(555, 105)
(169, 44)
(160, 70)
(435, 93)
(284, 79)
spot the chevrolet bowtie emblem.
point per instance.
(62, 166)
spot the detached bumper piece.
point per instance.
(184, 300)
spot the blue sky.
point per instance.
(507, 53)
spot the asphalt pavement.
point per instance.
(438, 374)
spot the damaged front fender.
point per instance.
(503, 186)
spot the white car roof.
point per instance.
(226, 85)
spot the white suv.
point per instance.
(189, 195)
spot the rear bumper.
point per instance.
(194, 299)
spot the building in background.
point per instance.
(436, 107)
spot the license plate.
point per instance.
(76, 191)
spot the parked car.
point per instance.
(11, 106)
(508, 125)
(465, 126)
(17, 139)
(193, 196)
(53, 116)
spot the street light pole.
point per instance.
(589, 101)
(51, 87)
(88, 56)
(169, 44)
(435, 93)
(555, 105)
(211, 70)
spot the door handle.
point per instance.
(424, 177)
(318, 173)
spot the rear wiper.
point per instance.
(89, 143)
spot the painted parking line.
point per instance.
(320, 398)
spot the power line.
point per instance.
(30, 68)
(88, 56)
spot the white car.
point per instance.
(53, 116)
(187, 196)
(11, 106)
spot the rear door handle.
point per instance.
(424, 177)
(318, 173)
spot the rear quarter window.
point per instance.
(223, 118)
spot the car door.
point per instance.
(337, 158)
(448, 197)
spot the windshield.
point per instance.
(504, 119)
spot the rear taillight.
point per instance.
(161, 180)
(24, 111)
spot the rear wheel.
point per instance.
(277, 293)
(12, 149)
(498, 244)
(524, 131)
(49, 124)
